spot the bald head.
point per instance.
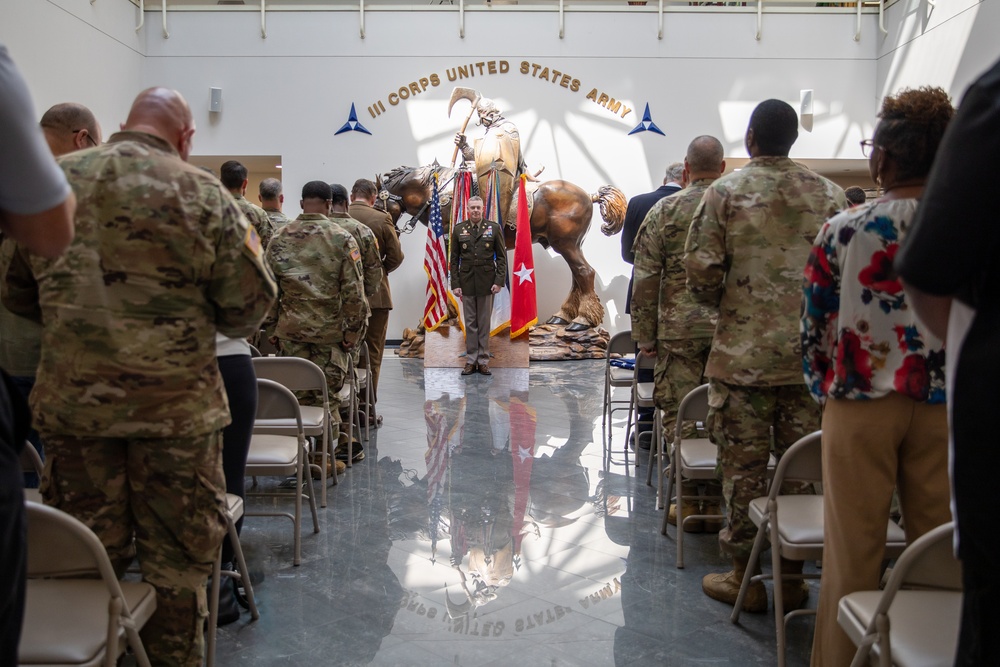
(70, 127)
(705, 156)
(164, 113)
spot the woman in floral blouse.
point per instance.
(876, 370)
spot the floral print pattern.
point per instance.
(860, 338)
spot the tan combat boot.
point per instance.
(794, 592)
(725, 587)
(689, 507)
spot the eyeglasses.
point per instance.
(867, 146)
(89, 136)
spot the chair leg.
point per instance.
(670, 466)
(213, 611)
(758, 546)
(777, 581)
(658, 437)
(244, 574)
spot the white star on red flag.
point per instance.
(524, 274)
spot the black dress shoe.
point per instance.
(469, 369)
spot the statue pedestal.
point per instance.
(548, 342)
(551, 342)
(445, 348)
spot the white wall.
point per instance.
(949, 45)
(287, 94)
(74, 51)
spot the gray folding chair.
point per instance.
(281, 455)
(620, 345)
(301, 375)
(794, 526)
(234, 510)
(690, 459)
(76, 611)
(915, 620)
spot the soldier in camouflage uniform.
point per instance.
(666, 320)
(748, 244)
(271, 200)
(234, 177)
(128, 397)
(321, 309)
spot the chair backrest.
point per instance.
(275, 401)
(693, 407)
(30, 460)
(803, 462)
(929, 563)
(254, 352)
(293, 372)
(60, 546)
(621, 343)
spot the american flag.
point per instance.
(435, 266)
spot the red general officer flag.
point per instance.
(523, 307)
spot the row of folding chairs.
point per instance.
(793, 526)
(70, 575)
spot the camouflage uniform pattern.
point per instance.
(321, 301)
(168, 493)
(128, 396)
(749, 241)
(662, 308)
(371, 261)
(160, 263)
(257, 217)
(745, 252)
(277, 218)
(740, 420)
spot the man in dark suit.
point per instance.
(638, 207)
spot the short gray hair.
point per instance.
(270, 188)
(675, 173)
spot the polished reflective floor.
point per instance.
(485, 528)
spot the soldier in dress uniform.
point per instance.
(745, 253)
(128, 397)
(666, 321)
(234, 177)
(478, 270)
(391, 255)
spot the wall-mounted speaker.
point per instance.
(806, 109)
(215, 100)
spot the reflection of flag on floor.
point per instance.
(523, 419)
(524, 307)
(436, 266)
(440, 433)
(500, 317)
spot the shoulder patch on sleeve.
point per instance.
(252, 241)
(355, 254)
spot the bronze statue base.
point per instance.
(548, 342)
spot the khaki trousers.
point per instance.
(870, 448)
(378, 324)
(477, 311)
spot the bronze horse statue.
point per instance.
(560, 218)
